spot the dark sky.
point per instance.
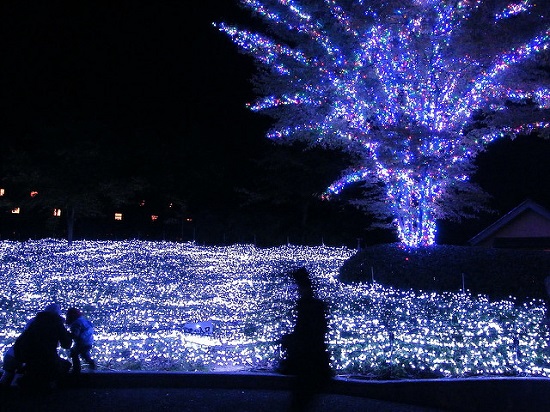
(156, 72)
(139, 65)
(135, 73)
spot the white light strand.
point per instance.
(140, 295)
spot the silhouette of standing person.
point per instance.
(307, 357)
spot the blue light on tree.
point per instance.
(416, 89)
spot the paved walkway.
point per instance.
(187, 400)
(258, 392)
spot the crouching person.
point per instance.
(10, 368)
(36, 347)
(82, 333)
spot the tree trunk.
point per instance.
(304, 220)
(70, 225)
(412, 201)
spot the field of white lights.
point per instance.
(184, 307)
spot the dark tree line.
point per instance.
(90, 177)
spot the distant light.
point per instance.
(16, 210)
(188, 219)
(34, 193)
(2, 191)
(142, 203)
(57, 212)
(154, 217)
(118, 216)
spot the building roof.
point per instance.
(508, 217)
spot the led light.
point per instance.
(398, 87)
(141, 297)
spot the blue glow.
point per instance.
(141, 297)
(394, 82)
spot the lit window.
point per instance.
(2, 192)
(16, 210)
(154, 217)
(118, 216)
(34, 193)
(57, 212)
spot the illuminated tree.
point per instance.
(414, 88)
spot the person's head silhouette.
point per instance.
(302, 280)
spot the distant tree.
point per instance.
(415, 88)
(81, 178)
(292, 176)
(171, 212)
(287, 190)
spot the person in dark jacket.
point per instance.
(306, 354)
(37, 347)
(10, 368)
(82, 332)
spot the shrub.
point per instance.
(498, 273)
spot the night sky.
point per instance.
(143, 75)
(156, 75)
(144, 69)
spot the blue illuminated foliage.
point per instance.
(142, 297)
(397, 83)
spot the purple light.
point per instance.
(393, 82)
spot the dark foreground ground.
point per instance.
(251, 391)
